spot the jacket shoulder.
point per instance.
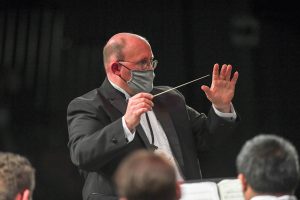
(87, 98)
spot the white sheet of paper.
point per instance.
(230, 189)
(199, 191)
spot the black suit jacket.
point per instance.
(97, 142)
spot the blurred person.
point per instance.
(17, 177)
(145, 175)
(122, 116)
(268, 167)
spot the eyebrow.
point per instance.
(146, 59)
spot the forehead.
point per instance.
(137, 48)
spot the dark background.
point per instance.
(51, 52)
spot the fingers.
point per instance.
(143, 94)
(141, 105)
(234, 78)
(225, 73)
(137, 105)
(143, 100)
(228, 72)
(228, 75)
(216, 72)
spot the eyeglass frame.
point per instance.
(143, 64)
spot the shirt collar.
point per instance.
(270, 197)
(127, 96)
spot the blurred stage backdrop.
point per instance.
(51, 52)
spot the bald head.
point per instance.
(117, 44)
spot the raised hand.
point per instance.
(222, 88)
(137, 105)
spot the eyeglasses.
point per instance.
(144, 64)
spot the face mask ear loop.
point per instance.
(122, 78)
(128, 70)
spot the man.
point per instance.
(144, 176)
(268, 168)
(17, 177)
(123, 116)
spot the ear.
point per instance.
(115, 68)
(178, 190)
(18, 197)
(243, 180)
(25, 195)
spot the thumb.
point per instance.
(207, 91)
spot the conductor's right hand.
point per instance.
(137, 105)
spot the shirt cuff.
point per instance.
(227, 116)
(129, 135)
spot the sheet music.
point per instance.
(230, 190)
(199, 191)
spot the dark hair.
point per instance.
(146, 176)
(270, 164)
(16, 175)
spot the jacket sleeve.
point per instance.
(93, 138)
(210, 130)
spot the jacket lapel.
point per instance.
(165, 120)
